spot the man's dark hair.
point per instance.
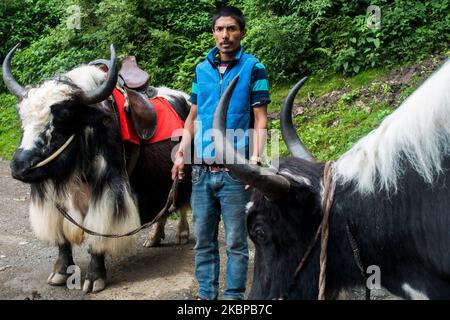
(232, 12)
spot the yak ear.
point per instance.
(308, 199)
(94, 116)
(305, 194)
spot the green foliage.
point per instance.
(188, 18)
(9, 126)
(279, 43)
(169, 37)
(409, 31)
(321, 38)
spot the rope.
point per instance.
(357, 257)
(307, 253)
(323, 230)
(329, 189)
(168, 208)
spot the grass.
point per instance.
(328, 134)
(317, 86)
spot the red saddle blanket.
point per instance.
(166, 117)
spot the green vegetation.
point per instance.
(327, 134)
(9, 126)
(329, 40)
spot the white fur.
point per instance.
(100, 219)
(297, 178)
(86, 77)
(51, 227)
(34, 110)
(72, 233)
(47, 222)
(100, 165)
(88, 133)
(167, 93)
(414, 294)
(248, 206)
(419, 129)
(45, 219)
(76, 204)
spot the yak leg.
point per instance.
(183, 226)
(59, 275)
(155, 240)
(96, 275)
(182, 231)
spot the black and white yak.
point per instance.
(71, 153)
(392, 191)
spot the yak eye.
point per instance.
(259, 234)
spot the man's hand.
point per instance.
(178, 166)
(255, 161)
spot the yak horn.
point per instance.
(290, 137)
(273, 186)
(104, 91)
(13, 86)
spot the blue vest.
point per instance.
(211, 86)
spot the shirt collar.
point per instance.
(214, 57)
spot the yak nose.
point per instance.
(20, 164)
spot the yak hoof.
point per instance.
(152, 242)
(87, 286)
(94, 287)
(57, 279)
(99, 285)
(183, 237)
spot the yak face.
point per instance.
(282, 230)
(52, 115)
(49, 117)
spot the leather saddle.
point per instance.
(133, 76)
(133, 83)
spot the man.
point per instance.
(215, 193)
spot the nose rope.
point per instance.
(55, 154)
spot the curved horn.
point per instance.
(99, 61)
(12, 85)
(290, 137)
(273, 186)
(105, 90)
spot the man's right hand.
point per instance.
(178, 166)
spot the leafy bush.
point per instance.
(280, 43)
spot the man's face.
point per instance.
(227, 34)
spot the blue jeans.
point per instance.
(216, 194)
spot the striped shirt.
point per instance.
(259, 84)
